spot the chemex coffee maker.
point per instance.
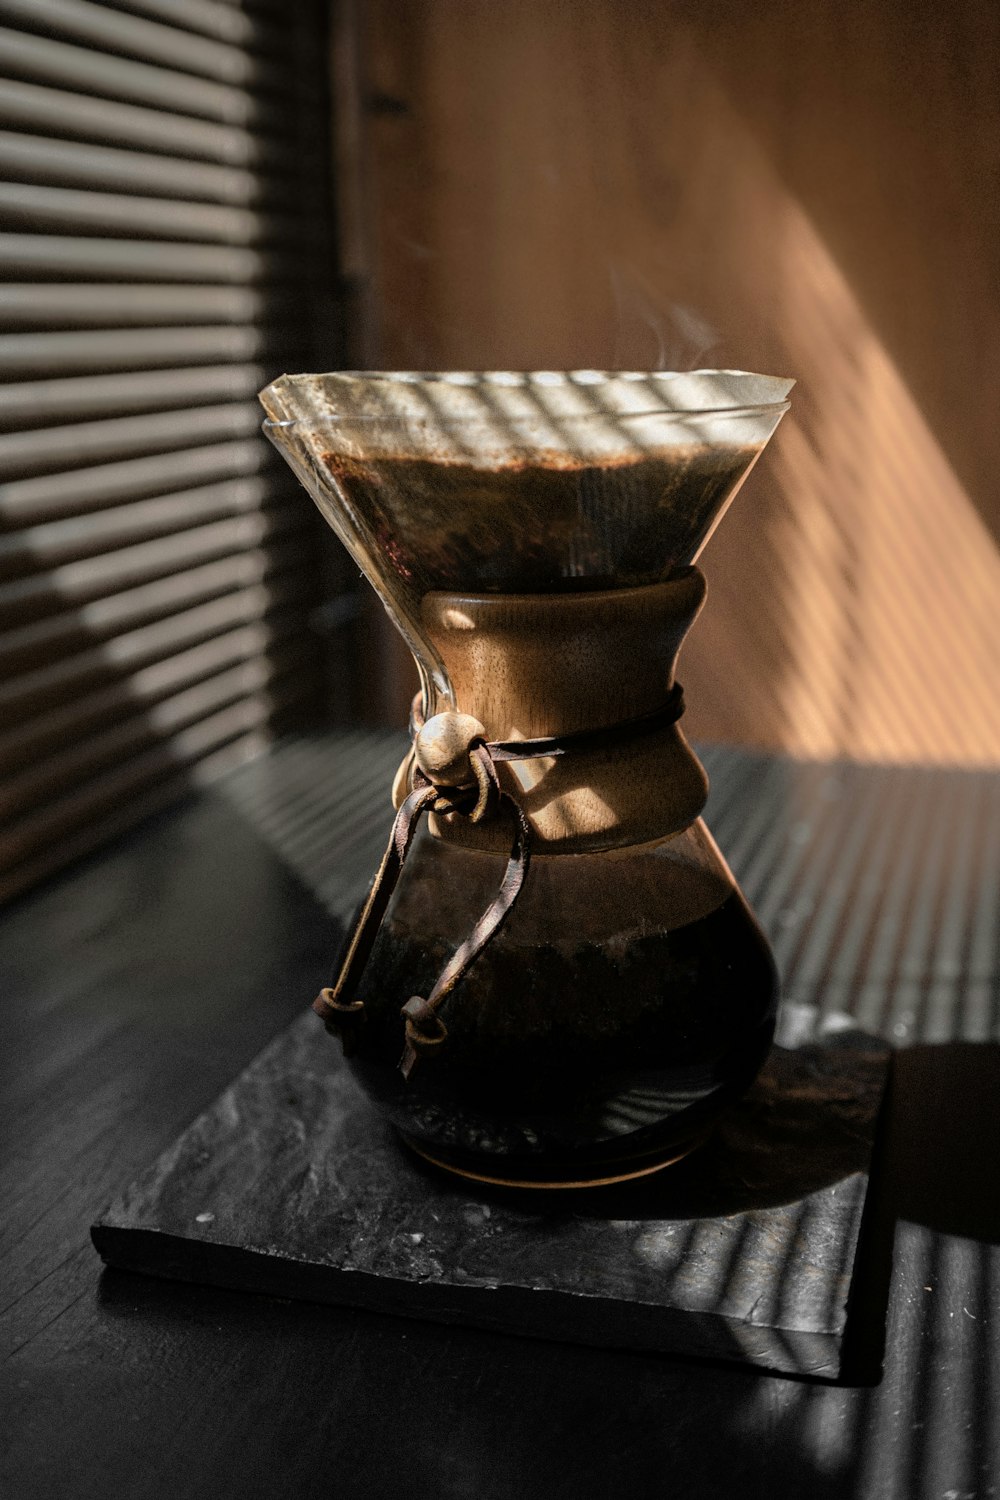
(555, 980)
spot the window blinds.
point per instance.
(163, 243)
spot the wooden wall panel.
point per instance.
(808, 190)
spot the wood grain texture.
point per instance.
(806, 189)
(116, 1384)
(538, 665)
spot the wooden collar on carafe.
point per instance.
(453, 774)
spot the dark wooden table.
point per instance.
(137, 985)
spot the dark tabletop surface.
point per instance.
(134, 988)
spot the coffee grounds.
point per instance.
(539, 526)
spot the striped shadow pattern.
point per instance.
(877, 886)
(164, 253)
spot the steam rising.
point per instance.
(652, 334)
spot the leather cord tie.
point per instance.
(454, 771)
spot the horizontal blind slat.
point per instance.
(118, 32)
(36, 401)
(41, 60)
(99, 619)
(90, 305)
(55, 112)
(80, 536)
(23, 501)
(73, 211)
(22, 743)
(135, 260)
(154, 722)
(226, 20)
(51, 448)
(68, 584)
(127, 348)
(75, 164)
(38, 688)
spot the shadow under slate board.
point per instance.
(291, 1185)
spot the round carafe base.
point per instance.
(455, 1143)
(585, 1062)
(553, 1175)
(598, 1162)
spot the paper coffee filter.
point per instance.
(520, 483)
(489, 418)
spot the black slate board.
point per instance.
(291, 1185)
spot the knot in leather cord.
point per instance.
(340, 1017)
(424, 1027)
(443, 747)
(476, 802)
(455, 772)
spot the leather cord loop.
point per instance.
(669, 711)
(423, 1029)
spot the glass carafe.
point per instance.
(533, 537)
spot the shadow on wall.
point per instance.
(829, 222)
